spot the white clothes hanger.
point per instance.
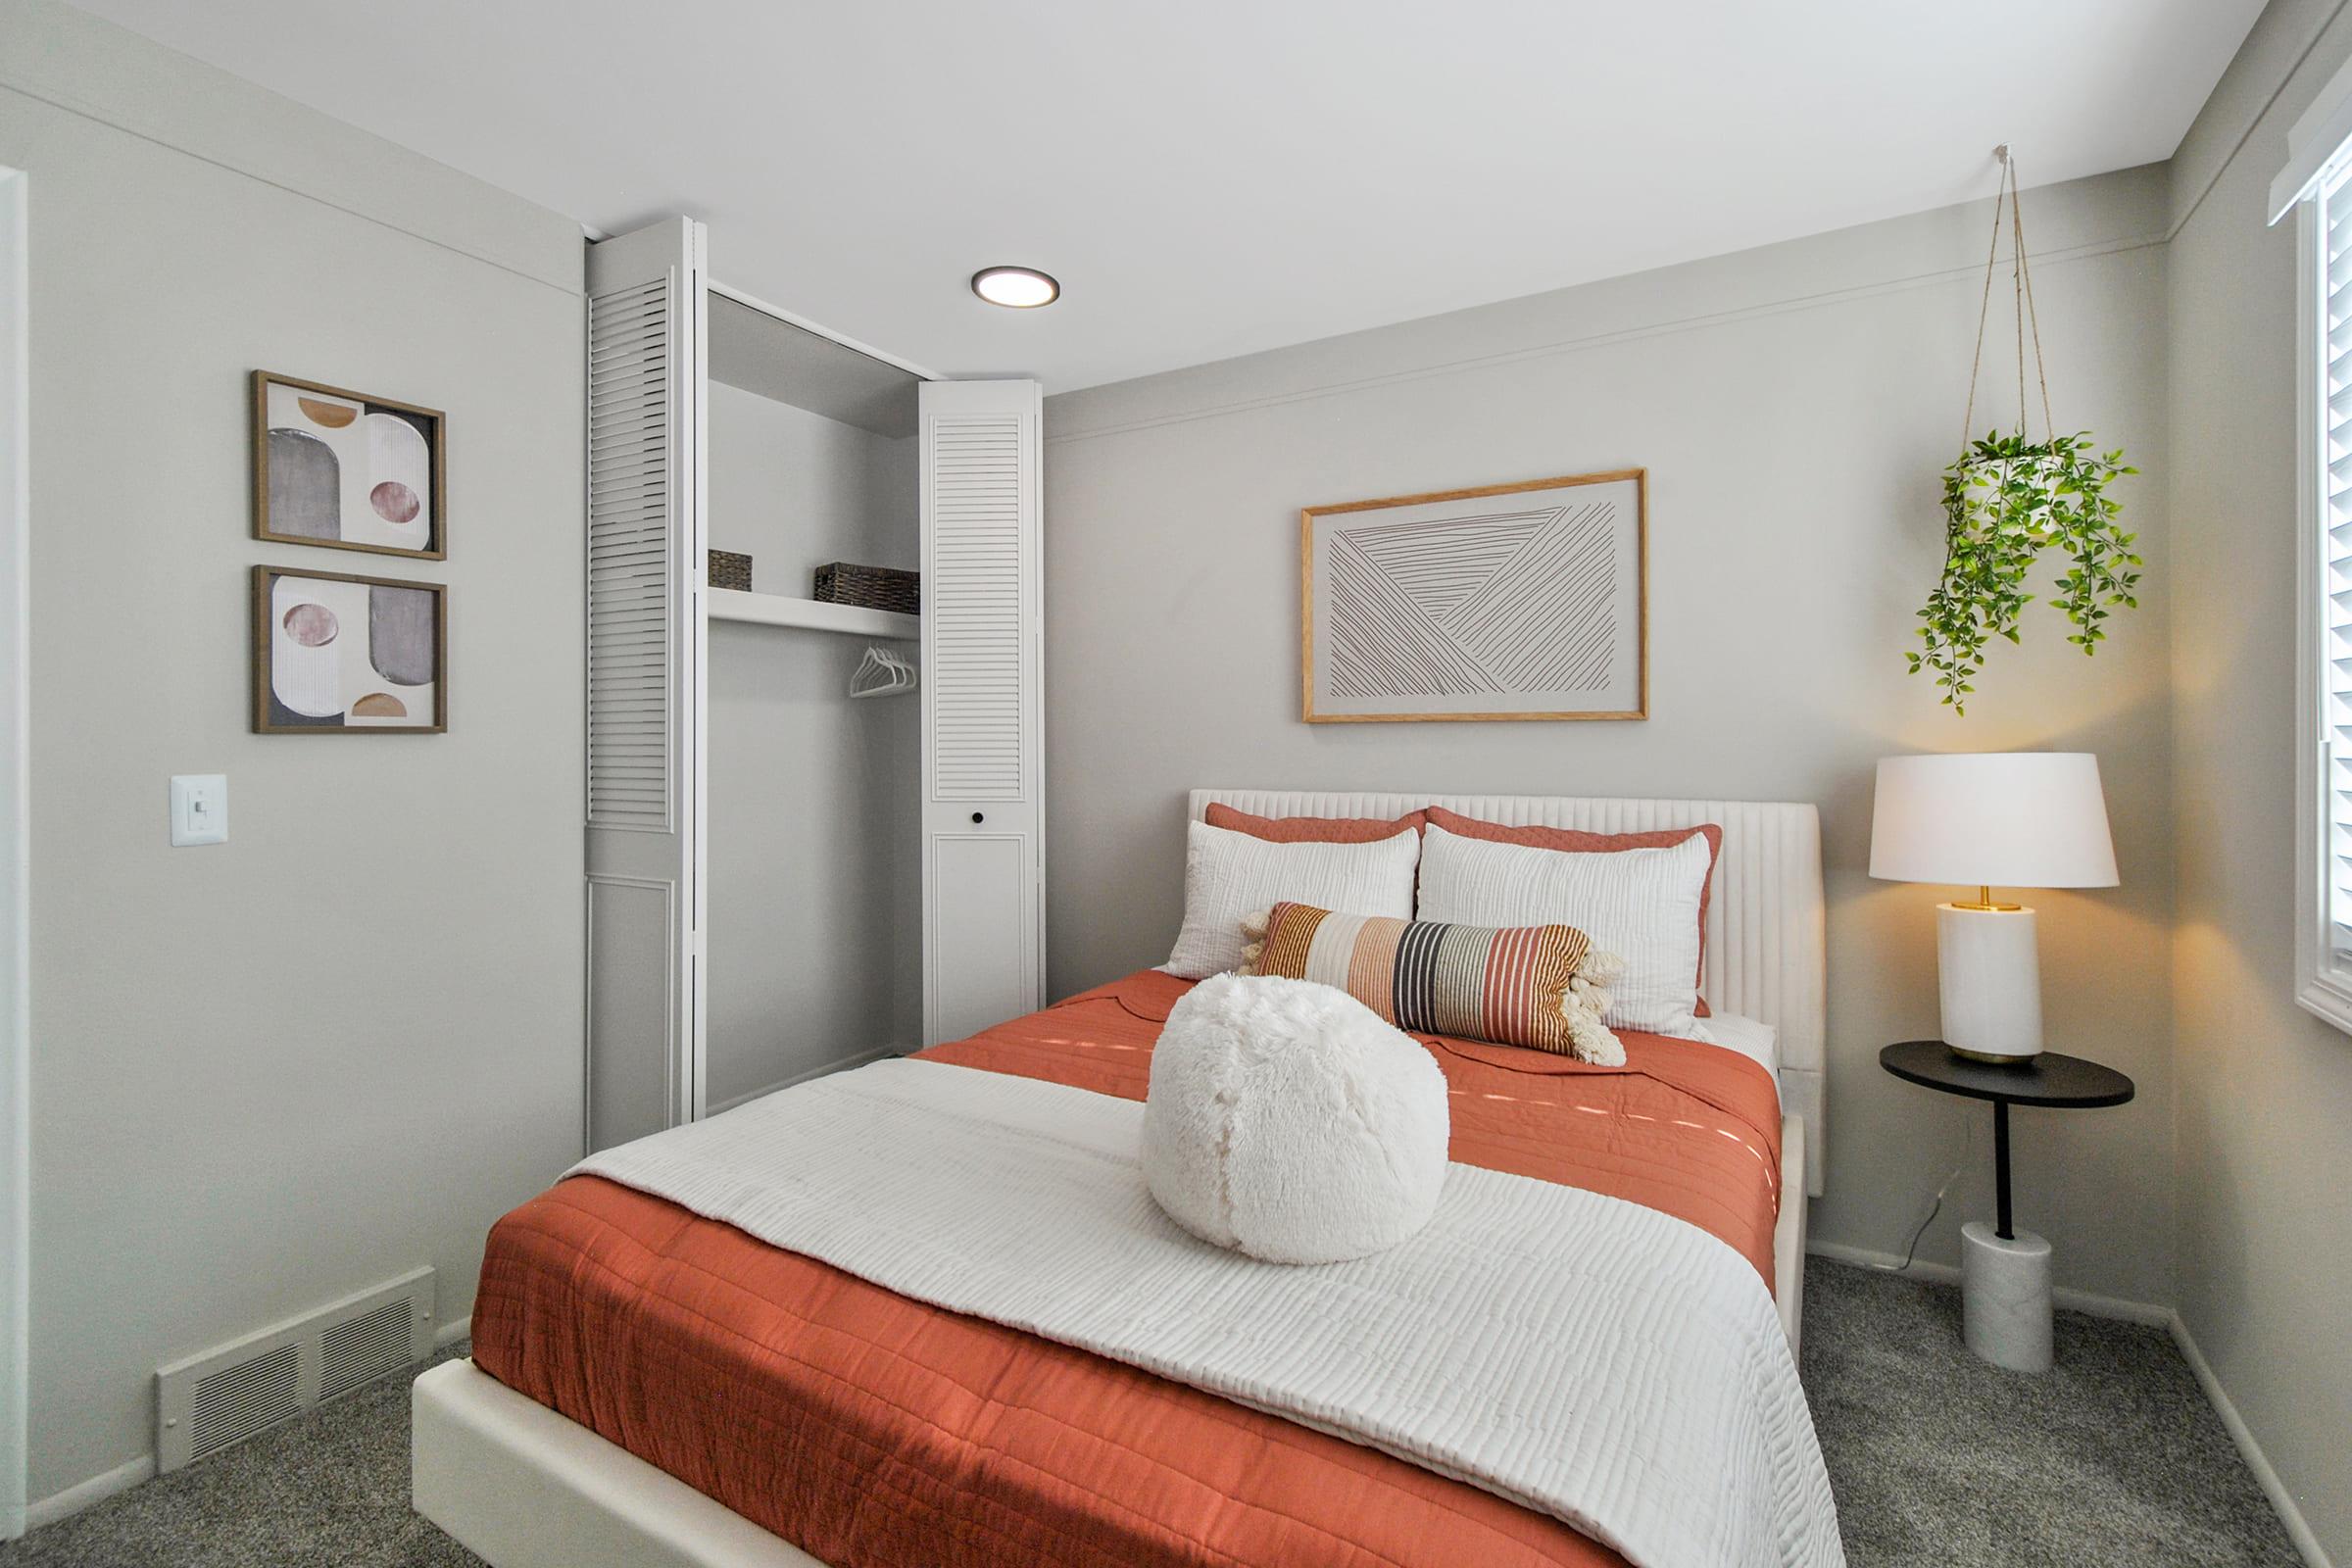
(883, 673)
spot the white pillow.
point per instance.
(1641, 905)
(1229, 875)
(1288, 1121)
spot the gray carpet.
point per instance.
(2113, 1460)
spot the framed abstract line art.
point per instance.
(1509, 601)
(336, 655)
(346, 470)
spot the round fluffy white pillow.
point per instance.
(1288, 1121)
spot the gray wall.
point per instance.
(2264, 1089)
(274, 1071)
(814, 799)
(1794, 406)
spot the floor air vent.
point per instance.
(365, 1347)
(208, 1401)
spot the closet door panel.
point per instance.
(982, 706)
(631, 993)
(980, 937)
(978, 606)
(646, 352)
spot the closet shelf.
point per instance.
(776, 609)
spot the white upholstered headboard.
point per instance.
(1767, 942)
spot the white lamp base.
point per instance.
(1990, 972)
(2005, 1296)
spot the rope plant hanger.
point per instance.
(2008, 497)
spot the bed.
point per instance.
(669, 1389)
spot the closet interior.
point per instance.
(815, 880)
(815, 831)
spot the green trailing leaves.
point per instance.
(2006, 501)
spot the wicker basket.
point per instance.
(874, 587)
(727, 570)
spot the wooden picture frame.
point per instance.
(1550, 580)
(340, 470)
(330, 692)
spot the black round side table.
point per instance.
(2047, 1080)
(2005, 1277)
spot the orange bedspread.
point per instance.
(872, 1429)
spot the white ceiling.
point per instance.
(1210, 177)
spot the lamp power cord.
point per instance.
(1910, 1252)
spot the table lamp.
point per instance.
(1991, 820)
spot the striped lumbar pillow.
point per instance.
(1539, 985)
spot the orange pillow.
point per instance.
(1583, 843)
(1314, 830)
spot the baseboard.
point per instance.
(2073, 1300)
(2283, 1502)
(843, 1066)
(64, 1504)
(450, 1333)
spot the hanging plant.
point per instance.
(2008, 499)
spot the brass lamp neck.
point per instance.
(1984, 902)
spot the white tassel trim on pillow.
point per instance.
(1584, 1003)
(1254, 939)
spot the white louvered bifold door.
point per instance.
(645, 675)
(983, 795)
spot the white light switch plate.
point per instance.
(198, 809)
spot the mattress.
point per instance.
(1752, 1038)
(870, 1428)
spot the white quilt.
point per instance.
(1579, 1354)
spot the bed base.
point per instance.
(1788, 1230)
(521, 1487)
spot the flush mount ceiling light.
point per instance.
(1020, 288)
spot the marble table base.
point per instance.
(2005, 1296)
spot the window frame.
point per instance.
(2319, 148)
(2322, 972)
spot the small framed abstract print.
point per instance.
(1506, 601)
(337, 655)
(346, 470)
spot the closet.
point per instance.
(783, 878)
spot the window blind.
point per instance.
(2334, 607)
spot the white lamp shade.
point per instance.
(2004, 819)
